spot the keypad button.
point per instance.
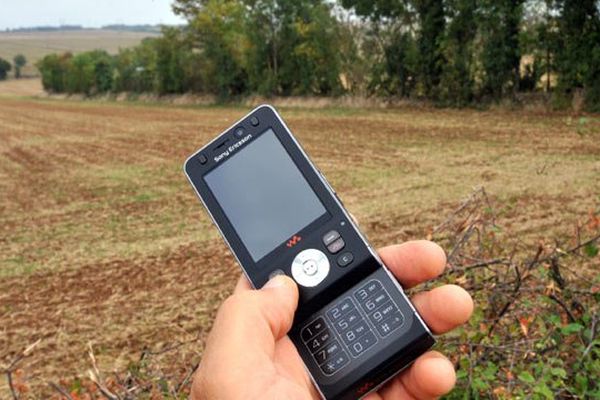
(389, 325)
(345, 259)
(375, 301)
(383, 312)
(346, 322)
(336, 363)
(319, 341)
(336, 246)
(328, 352)
(342, 308)
(368, 290)
(330, 237)
(363, 343)
(312, 329)
(355, 332)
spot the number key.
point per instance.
(363, 344)
(368, 290)
(312, 329)
(318, 341)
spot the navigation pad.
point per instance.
(351, 326)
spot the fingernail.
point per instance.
(275, 282)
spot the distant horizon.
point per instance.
(79, 26)
(27, 14)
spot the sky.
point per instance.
(89, 13)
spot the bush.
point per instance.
(5, 68)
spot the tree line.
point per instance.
(19, 62)
(452, 52)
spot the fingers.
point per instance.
(250, 321)
(243, 284)
(414, 262)
(431, 376)
(444, 308)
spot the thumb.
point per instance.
(251, 321)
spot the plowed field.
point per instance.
(102, 240)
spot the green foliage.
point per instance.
(19, 61)
(452, 52)
(458, 76)
(431, 59)
(4, 69)
(501, 57)
(53, 69)
(578, 55)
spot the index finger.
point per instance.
(414, 262)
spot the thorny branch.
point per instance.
(10, 369)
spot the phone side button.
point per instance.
(345, 259)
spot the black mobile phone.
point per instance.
(354, 327)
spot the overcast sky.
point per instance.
(89, 13)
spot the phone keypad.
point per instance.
(351, 326)
(383, 313)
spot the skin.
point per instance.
(249, 356)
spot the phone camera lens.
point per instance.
(254, 121)
(239, 132)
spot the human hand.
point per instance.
(249, 356)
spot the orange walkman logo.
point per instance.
(364, 389)
(293, 241)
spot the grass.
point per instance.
(102, 240)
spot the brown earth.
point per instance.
(102, 241)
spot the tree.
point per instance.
(501, 54)
(431, 59)
(578, 57)
(458, 46)
(19, 62)
(5, 68)
(54, 70)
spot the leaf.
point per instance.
(544, 391)
(524, 323)
(591, 250)
(561, 373)
(571, 328)
(526, 377)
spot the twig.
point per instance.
(592, 336)
(95, 377)
(564, 307)
(11, 367)
(187, 377)
(60, 390)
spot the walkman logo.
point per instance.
(232, 148)
(293, 241)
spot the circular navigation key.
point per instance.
(310, 267)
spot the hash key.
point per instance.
(389, 325)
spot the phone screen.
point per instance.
(264, 195)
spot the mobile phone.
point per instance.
(354, 327)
